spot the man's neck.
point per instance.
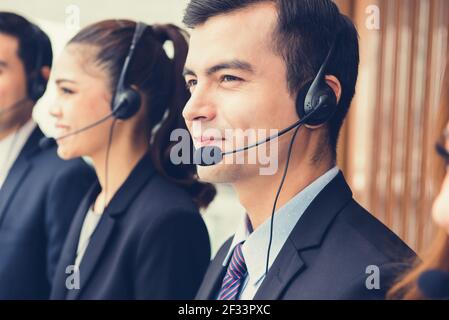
(257, 194)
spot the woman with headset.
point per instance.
(138, 233)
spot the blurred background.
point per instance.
(387, 145)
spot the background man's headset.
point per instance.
(316, 103)
(36, 83)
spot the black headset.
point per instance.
(126, 101)
(316, 103)
(36, 83)
(316, 100)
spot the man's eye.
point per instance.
(191, 83)
(228, 78)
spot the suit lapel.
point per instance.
(119, 204)
(68, 253)
(15, 177)
(96, 247)
(308, 233)
(18, 171)
(287, 266)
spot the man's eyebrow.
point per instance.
(59, 81)
(3, 63)
(232, 64)
(188, 72)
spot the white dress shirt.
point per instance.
(89, 225)
(11, 146)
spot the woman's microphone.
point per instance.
(46, 142)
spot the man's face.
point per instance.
(12, 80)
(237, 81)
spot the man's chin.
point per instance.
(217, 174)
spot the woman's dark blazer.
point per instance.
(151, 243)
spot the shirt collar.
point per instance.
(22, 134)
(11, 147)
(255, 244)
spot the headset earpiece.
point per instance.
(301, 100)
(37, 84)
(126, 104)
(317, 96)
(322, 97)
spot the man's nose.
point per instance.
(199, 107)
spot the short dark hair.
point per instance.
(305, 32)
(31, 39)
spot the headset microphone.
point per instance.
(213, 155)
(48, 142)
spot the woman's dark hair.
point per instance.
(160, 81)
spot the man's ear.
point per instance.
(335, 85)
(45, 72)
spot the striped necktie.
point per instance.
(235, 276)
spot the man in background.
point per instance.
(39, 193)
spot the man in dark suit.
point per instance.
(39, 193)
(250, 66)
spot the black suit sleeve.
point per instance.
(172, 257)
(65, 193)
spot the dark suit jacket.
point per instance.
(151, 243)
(37, 203)
(327, 254)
